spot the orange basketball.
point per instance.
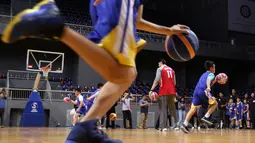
(113, 116)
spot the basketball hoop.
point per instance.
(45, 70)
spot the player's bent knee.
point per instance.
(193, 110)
(121, 75)
(215, 103)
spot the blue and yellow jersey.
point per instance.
(114, 24)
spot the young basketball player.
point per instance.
(232, 112)
(246, 114)
(110, 49)
(93, 96)
(202, 96)
(239, 112)
(81, 110)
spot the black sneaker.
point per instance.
(88, 132)
(185, 129)
(207, 121)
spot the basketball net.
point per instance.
(46, 71)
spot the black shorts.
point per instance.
(1, 113)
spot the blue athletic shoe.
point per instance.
(42, 21)
(88, 132)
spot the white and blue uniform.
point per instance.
(90, 102)
(83, 109)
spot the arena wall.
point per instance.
(59, 113)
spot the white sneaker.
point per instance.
(176, 129)
(164, 130)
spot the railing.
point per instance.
(56, 95)
(47, 95)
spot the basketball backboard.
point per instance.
(36, 59)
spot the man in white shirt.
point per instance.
(126, 109)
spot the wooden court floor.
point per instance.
(58, 135)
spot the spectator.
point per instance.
(250, 99)
(181, 111)
(252, 110)
(222, 103)
(3, 97)
(231, 107)
(246, 114)
(233, 95)
(112, 110)
(144, 106)
(246, 97)
(126, 109)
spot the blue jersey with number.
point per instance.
(239, 110)
(245, 107)
(239, 107)
(231, 110)
(199, 95)
(246, 114)
(203, 80)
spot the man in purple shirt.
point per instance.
(3, 97)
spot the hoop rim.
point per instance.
(45, 70)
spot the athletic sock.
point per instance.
(186, 123)
(207, 115)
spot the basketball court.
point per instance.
(58, 135)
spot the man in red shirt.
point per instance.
(165, 77)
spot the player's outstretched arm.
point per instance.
(74, 102)
(158, 29)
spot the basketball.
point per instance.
(221, 78)
(66, 99)
(113, 116)
(182, 47)
(154, 96)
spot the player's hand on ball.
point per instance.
(178, 29)
(97, 2)
(208, 90)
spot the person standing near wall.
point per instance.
(109, 112)
(3, 97)
(165, 77)
(126, 109)
(233, 95)
(252, 109)
(181, 111)
(144, 106)
(222, 103)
